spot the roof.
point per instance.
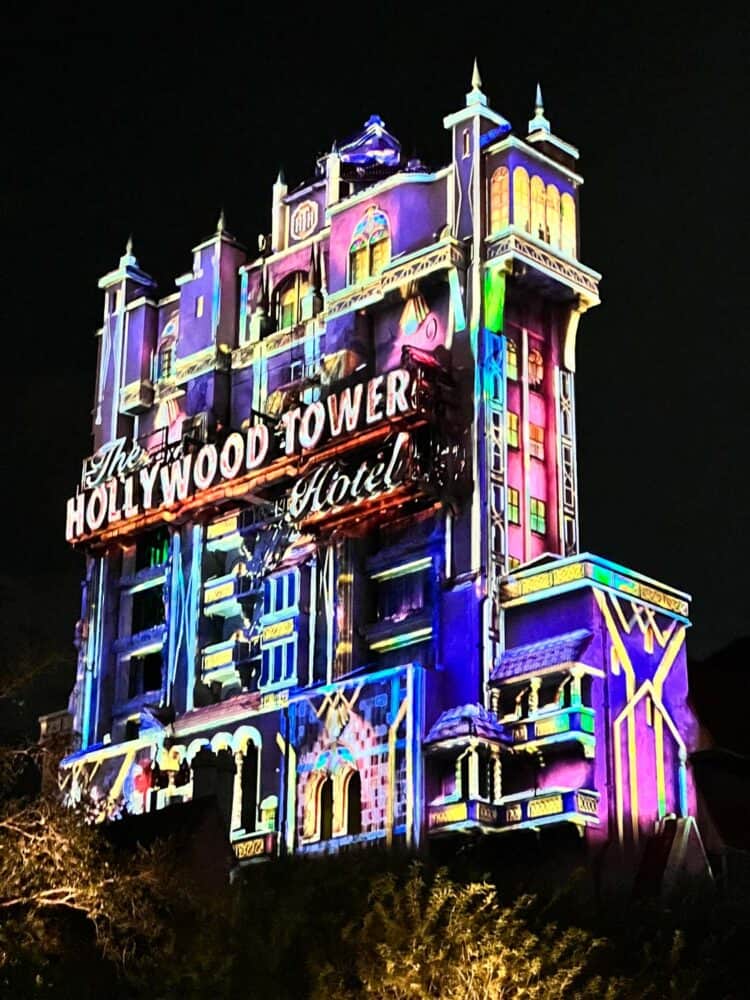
(466, 720)
(539, 655)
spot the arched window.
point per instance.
(521, 198)
(553, 215)
(249, 788)
(536, 367)
(499, 199)
(538, 208)
(354, 804)
(289, 296)
(325, 808)
(568, 225)
(370, 249)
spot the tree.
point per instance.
(447, 940)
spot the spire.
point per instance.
(221, 225)
(128, 259)
(538, 123)
(312, 272)
(475, 95)
(281, 180)
(476, 80)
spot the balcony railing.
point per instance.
(526, 810)
(560, 726)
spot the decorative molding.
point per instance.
(580, 279)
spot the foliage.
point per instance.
(59, 878)
(448, 940)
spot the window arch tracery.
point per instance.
(370, 247)
(568, 225)
(538, 208)
(553, 215)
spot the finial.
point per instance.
(539, 123)
(475, 95)
(221, 225)
(280, 180)
(129, 246)
(476, 80)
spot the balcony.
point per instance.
(563, 725)
(221, 660)
(528, 810)
(534, 809)
(222, 595)
(136, 397)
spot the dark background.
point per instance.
(119, 119)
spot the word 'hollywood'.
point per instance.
(120, 483)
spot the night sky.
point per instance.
(150, 120)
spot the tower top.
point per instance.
(475, 95)
(539, 123)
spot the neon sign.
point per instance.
(122, 481)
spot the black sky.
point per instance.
(120, 119)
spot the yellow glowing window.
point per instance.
(536, 441)
(380, 251)
(538, 208)
(512, 429)
(289, 302)
(370, 249)
(514, 506)
(467, 143)
(553, 215)
(199, 307)
(538, 514)
(521, 198)
(512, 359)
(360, 258)
(499, 199)
(568, 225)
(166, 360)
(536, 367)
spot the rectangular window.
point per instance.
(514, 506)
(380, 255)
(359, 264)
(152, 549)
(536, 441)
(512, 429)
(511, 352)
(538, 516)
(199, 307)
(145, 673)
(467, 143)
(148, 609)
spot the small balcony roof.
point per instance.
(541, 655)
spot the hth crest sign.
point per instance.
(304, 220)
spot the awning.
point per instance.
(541, 655)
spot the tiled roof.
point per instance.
(466, 720)
(538, 655)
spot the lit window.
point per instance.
(538, 512)
(499, 199)
(199, 307)
(289, 298)
(536, 441)
(536, 367)
(538, 208)
(514, 506)
(512, 358)
(166, 360)
(553, 215)
(521, 198)
(370, 249)
(467, 143)
(568, 225)
(512, 429)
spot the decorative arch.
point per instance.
(538, 208)
(287, 299)
(553, 215)
(370, 247)
(499, 199)
(245, 735)
(353, 802)
(521, 217)
(221, 741)
(568, 239)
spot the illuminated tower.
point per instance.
(331, 523)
